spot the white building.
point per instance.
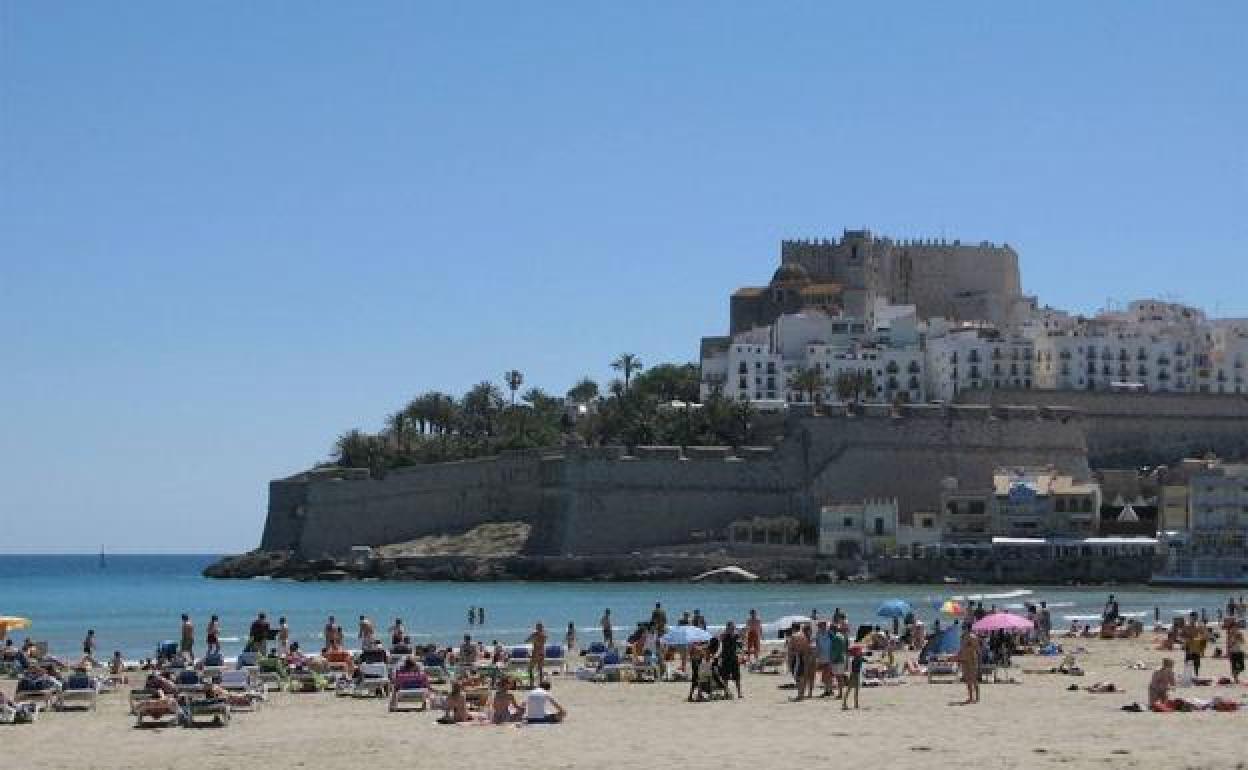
(854, 530)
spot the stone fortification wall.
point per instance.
(316, 516)
(1135, 429)
(660, 498)
(908, 456)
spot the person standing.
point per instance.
(569, 639)
(258, 634)
(88, 648)
(838, 650)
(969, 653)
(187, 646)
(854, 684)
(658, 619)
(730, 656)
(537, 658)
(480, 616)
(608, 638)
(698, 620)
(366, 632)
(753, 636)
(1235, 649)
(283, 636)
(1196, 637)
(397, 632)
(1044, 623)
(823, 656)
(330, 636)
(212, 637)
(472, 616)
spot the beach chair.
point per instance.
(436, 669)
(942, 669)
(272, 673)
(307, 680)
(593, 655)
(189, 682)
(18, 715)
(197, 712)
(518, 657)
(556, 659)
(241, 683)
(409, 692)
(80, 692)
(771, 663)
(43, 692)
(155, 708)
(373, 681)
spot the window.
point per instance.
(848, 522)
(879, 526)
(928, 523)
(977, 507)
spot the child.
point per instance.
(856, 661)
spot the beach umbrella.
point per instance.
(894, 608)
(10, 623)
(1002, 621)
(952, 608)
(683, 636)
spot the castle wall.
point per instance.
(1135, 429)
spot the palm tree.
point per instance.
(514, 379)
(853, 384)
(810, 382)
(397, 425)
(584, 391)
(627, 363)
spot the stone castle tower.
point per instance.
(945, 279)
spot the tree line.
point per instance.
(634, 409)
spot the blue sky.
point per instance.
(230, 231)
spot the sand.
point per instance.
(1037, 723)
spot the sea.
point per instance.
(133, 602)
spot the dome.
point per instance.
(790, 273)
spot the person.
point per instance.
(1160, 684)
(697, 659)
(117, 668)
(212, 636)
(366, 632)
(968, 657)
(1110, 614)
(1044, 623)
(456, 707)
(803, 661)
(88, 648)
(480, 616)
(541, 708)
(411, 676)
(753, 635)
(503, 706)
(397, 632)
(730, 656)
(329, 633)
(698, 620)
(283, 636)
(1195, 638)
(467, 651)
(1235, 649)
(838, 649)
(537, 658)
(23, 713)
(823, 656)
(472, 616)
(258, 633)
(658, 619)
(188, 636)
(374, 653)
(569, 639)
(854, 683)
(605, 622)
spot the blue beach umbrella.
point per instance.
(682, 636)
(894, 608)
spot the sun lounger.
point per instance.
(374, 681)
(593, 655)
(80, 692)
(943, 670)
(436, 669)
(43, 692)
(214, 711)
(518, 657)
(156, 708)
(240, 683)
(18, 715)
(556, 659)
(307, 681)
(189, 682)
(409, 691)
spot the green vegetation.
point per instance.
(636, 410)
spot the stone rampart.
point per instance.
(1135, 429)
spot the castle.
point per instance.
(941, 279)
(1020, 386)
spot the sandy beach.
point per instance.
(1036, 723)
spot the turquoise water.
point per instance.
(135, 601)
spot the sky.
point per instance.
(231, 231)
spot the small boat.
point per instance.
(726, 575)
